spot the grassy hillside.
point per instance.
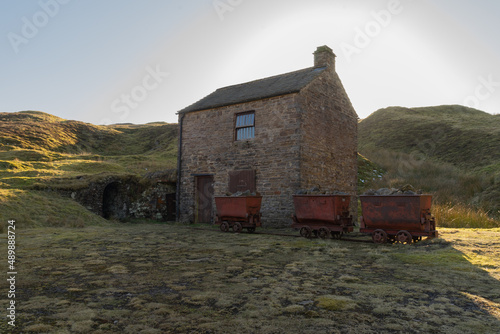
(38, 150)
(452, 152)
(461, 136)
(34, 130)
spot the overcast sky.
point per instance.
(139, 61)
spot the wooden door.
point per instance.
(204, 199)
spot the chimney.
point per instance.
(324, 57)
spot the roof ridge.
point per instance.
(259, 89)
(272, 77)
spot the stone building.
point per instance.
(275, 136)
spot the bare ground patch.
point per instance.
(172, 279)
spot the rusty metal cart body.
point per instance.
(322, 215)
(400, 218)
(237, 213)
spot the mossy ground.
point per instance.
(169, 278)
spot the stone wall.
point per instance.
(126, 196)
(208, 147)
(329, 137)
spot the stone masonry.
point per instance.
(303, 138)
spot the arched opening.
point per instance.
(112, 206)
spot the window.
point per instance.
(245, 126)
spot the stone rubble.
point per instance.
(242, 193)
(317, 191)
(405, 190)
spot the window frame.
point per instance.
(236, 127)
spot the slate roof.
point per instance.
(277, 85)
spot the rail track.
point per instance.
(282, 234)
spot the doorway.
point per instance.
(111, 201)
(204, 195)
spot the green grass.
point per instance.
(39, 151)
(39, 209)
(454, 134)
(168, 278)
(36, 136)
(449, 215)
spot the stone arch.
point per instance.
(112, 202)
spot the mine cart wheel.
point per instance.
(336, 235)
(306, 232)
(237, 227)
(379, 236)
(404, 237)
(251, 229)
(224, 227)
(323, 233)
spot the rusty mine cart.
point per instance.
(322, 215)
(237, 213)
(397, 218)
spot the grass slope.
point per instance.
(452, 152)
(461, 136)
(38, 131)
(38, 150)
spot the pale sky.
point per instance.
(139, 61)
